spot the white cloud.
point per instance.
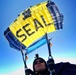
(70, 60)
(3, 74)
(57, 60)
(18, 72)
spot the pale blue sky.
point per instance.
(64, 41)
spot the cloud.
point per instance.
(57, 60)
(17, 72)
(20, 71)
(70, 60)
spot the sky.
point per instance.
(63, 42)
